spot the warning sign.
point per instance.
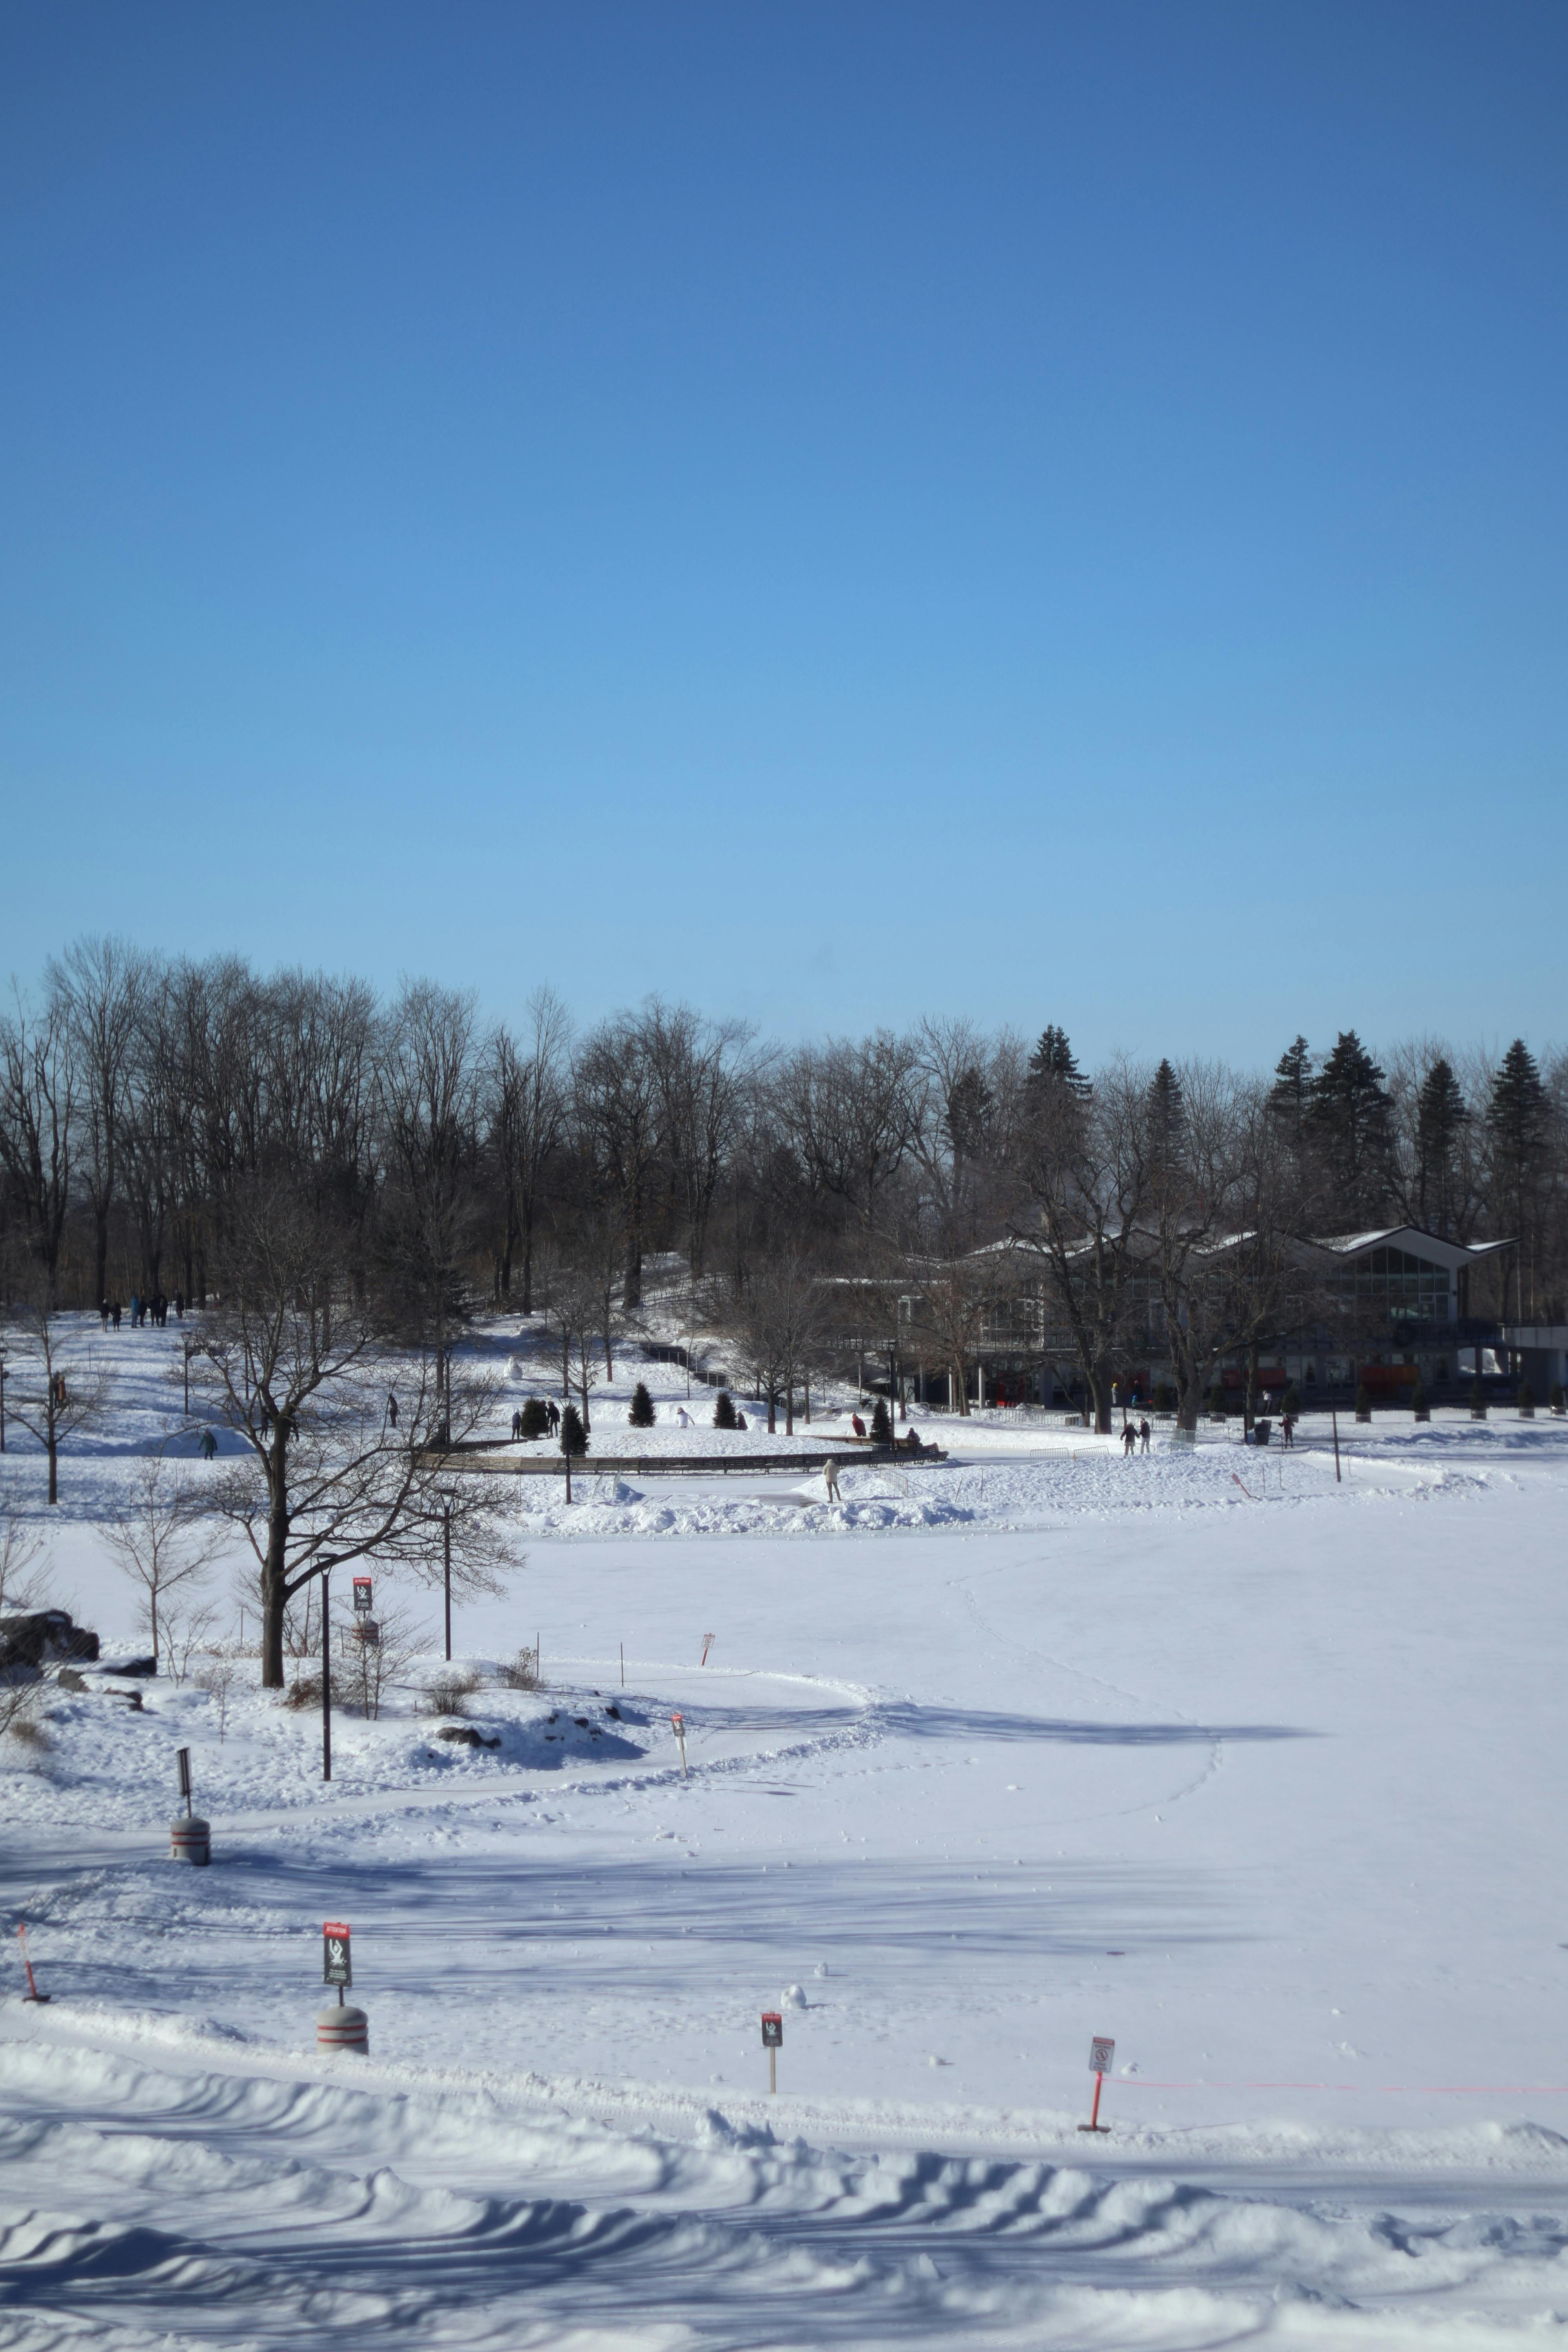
(1100, 2053)
(773, 2030)
(337, 1967)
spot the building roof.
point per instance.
(1413, 1238)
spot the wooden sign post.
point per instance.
(772, 2043)
(1102, 2050)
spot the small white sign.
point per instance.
(1100, 2053)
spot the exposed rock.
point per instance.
(42, 1638)
(69, 1679)
(467, 1735)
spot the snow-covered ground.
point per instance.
(1255, 1771)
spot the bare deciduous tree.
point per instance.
(298, 1363)
(161, 1538)
(52, 1389)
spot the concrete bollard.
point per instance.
(190, 1839)
(343, 2027)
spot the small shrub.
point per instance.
(881, 1426)
(27, 1732)
(523, 1674)
(535, 1417)
(641, 1415)
(1557, 1400)
(449, 1693)
(1217, 1400)
(1164, 1397)
(1363, 1405)
(305, 1690)
(1419, 1405)
(1477, 1401)
(573, 1436)
(725, 1410)
(1526, 1400)
(1290, 1402)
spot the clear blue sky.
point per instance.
(834, 511)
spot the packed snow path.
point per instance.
(1264, 1781)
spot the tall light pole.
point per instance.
(446, 1565)
(327, 1567)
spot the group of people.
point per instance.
(552, 1419)
(142, 1310)
(1134, 1437)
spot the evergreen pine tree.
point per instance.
(1441, 1115)
(966, 1116)
(1167, 1118)
(1516, 1122)
(725, 1410)
(1347, 1116)
(881, 1427)
(1290, 1095)
(1052, 1060)
(641, 1415)
(573, 1436)
(535, 1419)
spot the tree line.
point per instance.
(151, 1107)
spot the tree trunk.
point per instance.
(274, 1581)
(960, 1388)
(772, 1409)
(54, 1466)
(100, 1251)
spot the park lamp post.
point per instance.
(447, 1561)
(328, 1564)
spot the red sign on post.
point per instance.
(772, 2043)
(1102, 2050)
(362, 1596)
(337, 1964)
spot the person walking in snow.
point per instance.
(392, 1407)
(1144, 1437)
(553, 1416)
(830, 1476)
(1129, 1440)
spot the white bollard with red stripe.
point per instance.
(343, 2027)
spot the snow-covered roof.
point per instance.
(1413, 1238)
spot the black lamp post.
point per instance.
(327, 1567)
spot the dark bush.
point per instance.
(573, 1436)
(725, 1410)
(1290, 1402)
(535, 1417)
(641, 1415)
(1363, 1405)
(881, 1426)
